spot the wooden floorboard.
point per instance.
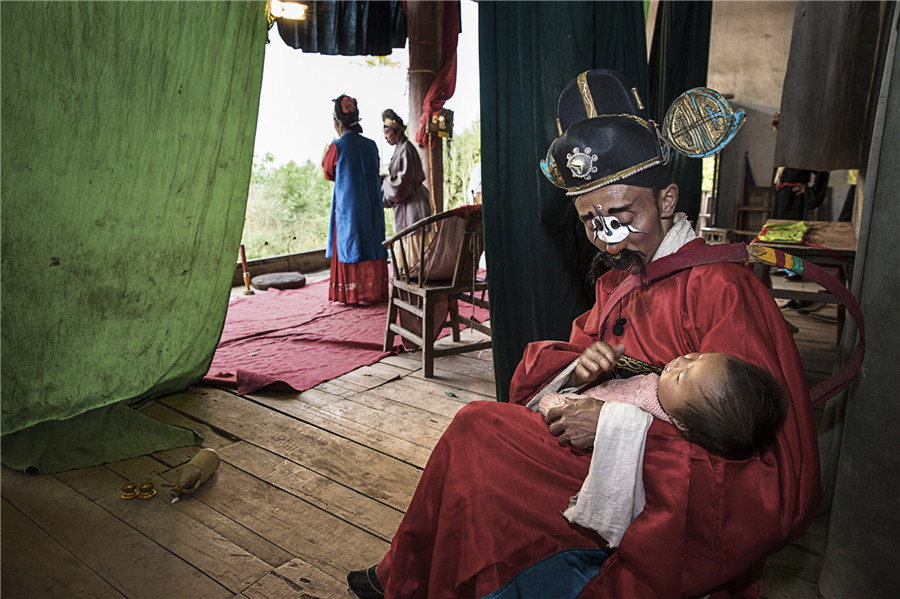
(376, 474)
(190, 540)
(314, 407)
(347, 504)
(52, 570)
(311, 485)
(123, 556)
(296, 580)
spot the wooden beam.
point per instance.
(423, 19)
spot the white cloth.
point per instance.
(612, 495)
(680, 234)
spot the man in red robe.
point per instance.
(486, 519)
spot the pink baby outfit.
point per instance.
(640, 390)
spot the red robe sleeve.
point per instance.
(329, 162)
(540, 364)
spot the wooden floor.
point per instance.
(311, 486)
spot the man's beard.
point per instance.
(627, 260)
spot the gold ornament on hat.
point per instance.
(700, 122)
(582, 164)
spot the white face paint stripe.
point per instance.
(608, 229)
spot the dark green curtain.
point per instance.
(679, 58)
(537, 252)
(127, 144)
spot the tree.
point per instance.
(460, 156)
(287, 210)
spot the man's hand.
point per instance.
(575, 422)
(594, 361)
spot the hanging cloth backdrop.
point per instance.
(368, 28)
(127, 147)
(832, 83)
(679, 59)
(537, 252)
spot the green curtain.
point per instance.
(127, 145)
(679, 60)
(537, 252)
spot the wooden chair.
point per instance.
(426, 295)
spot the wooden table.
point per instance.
(830, 245)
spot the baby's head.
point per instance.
(725, 405)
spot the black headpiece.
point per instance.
(605, 136)
(595, 93)
(392, 120)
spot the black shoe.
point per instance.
(363, 584)
(810, 307)
(792, 276)
(798, 305)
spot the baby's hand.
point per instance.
(549, 401)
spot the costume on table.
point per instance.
(485, 512)
(791, 205)
(640, 391)
(356, 229)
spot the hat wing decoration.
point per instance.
(700, 123)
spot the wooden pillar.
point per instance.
(423, 19)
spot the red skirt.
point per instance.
(352, 283)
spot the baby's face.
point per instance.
(686, 377)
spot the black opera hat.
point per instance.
(605, 136)
(607, 149)
(595, 93)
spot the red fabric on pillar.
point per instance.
(444, 83)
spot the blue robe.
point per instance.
(357, 216)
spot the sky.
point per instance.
(297, 91)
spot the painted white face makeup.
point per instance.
(608, 229)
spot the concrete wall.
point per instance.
(748, 50)
(748, 54)
(756, 140)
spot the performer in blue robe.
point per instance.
(356, 230)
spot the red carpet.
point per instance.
(296, 339)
